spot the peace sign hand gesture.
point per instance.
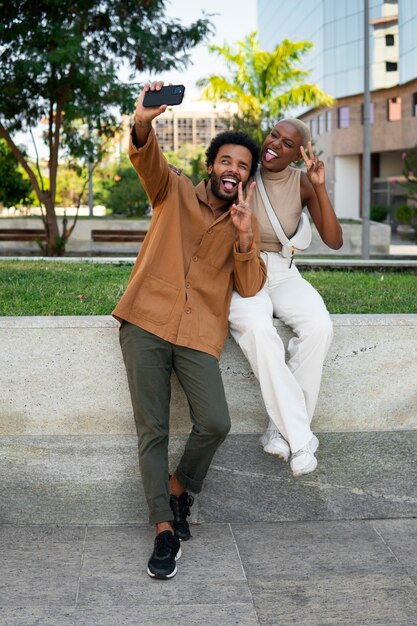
(240, 213)
(315, 167)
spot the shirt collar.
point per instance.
(201, 192)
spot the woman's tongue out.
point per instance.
(270, 155)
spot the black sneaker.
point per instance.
(166, 552)
(181, 509)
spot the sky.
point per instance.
(231, 24)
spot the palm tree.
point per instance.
(264, 84)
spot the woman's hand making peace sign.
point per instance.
(315, 167)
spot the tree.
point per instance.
(59, 61)
(410, 172)
(70, 184)
(191, 159)
(122, 191)
(14, 188)
(264, 84)
(407, 213)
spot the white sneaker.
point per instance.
(303, 461)
(274, 443)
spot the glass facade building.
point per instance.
(336, 29)
(336, 65)
(407, 22)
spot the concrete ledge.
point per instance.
(80, 241)
(302, 262)
(68, 447)
(65, 376)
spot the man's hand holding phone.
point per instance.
(145, 115)
(153, 101)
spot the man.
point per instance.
(201, 244)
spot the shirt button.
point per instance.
(195, 258)
(188, 285)
(210, 230)
(188, 311)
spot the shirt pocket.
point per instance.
(220, 250)
(155, 299)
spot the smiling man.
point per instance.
(202, 243)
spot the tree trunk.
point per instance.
(55, 245)
(90, 190)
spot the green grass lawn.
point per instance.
(45, 288)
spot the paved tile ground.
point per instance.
(318, 573)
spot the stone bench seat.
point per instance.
(65, 375)
(68, 445)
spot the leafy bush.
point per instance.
(191, 160)
(15, 189)
(379, 212)
(121, 190)
(410, 171)
(406, 214)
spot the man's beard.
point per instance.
(215, 188)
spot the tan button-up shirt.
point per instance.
(182, 281)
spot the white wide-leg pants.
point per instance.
(290, 390)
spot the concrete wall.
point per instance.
(80, 242)
(393, 137)
(347, 186)
(65, 376)
(385, 135)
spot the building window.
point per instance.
(415, 104)
(320, 124)
(343, 117)
(394, 109)
(390, 66)
(313, 127)
(328, 121)
(220, 125)
(371, 112)
(389, 40)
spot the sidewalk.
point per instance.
(353, 573)
(399, 247)
(334, 548)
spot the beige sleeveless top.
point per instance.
(283, 189)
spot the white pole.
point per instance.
(366, 164)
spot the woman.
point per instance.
(290, 390)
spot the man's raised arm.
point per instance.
(145, 115)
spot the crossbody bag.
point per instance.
(302, 236)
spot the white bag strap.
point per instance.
(275, 223)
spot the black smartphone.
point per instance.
(170, 94)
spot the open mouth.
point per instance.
(270, 155)
(229, 183)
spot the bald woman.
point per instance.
(289, 388)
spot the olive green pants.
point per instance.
(149, 361)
